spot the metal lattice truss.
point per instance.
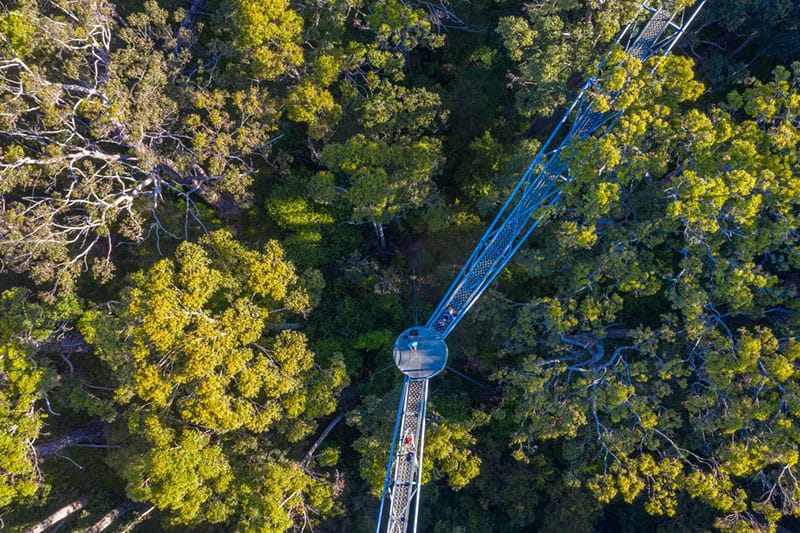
(541, 184)
(528, 204)
(404, 474)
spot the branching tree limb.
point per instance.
(100, 144)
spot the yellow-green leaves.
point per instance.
(309, 103)
(269, 32)
(402, 26)
(583, 237)
(280, 495)
(196, 324)
(448, 452)
(24, 381)
(517, 35)
(201, 355)
(665, 337)
(16, 29)
(380, 180)
(182, 473)
(662, 480)
(555, 45)
(716, 489)
(449, 444)
(22, 385)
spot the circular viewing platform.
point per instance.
(420, 352)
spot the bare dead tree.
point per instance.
(98, 140)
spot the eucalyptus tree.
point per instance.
(555, 44)
(661, 353)
(30, 331)
(212, 393)
(387, 168)
(107, 124)
(375, 138)
(21, 421)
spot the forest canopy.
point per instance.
(217, 215)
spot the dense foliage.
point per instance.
(216, 215)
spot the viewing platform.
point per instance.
(420, 352)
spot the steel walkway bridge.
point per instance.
(421, 353)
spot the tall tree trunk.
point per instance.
(111, 517)
(91, 434)
(321, 438)
(379, 233)
(59, 515)
(139, 519)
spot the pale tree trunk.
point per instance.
(139, 519)
(91, 434)
(59, 515)
(111, 517)
(379, 233)
(321, 438)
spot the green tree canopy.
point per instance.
(201, 365)
(27, 329)
(269, 34)
(382, 174)
(104, 139)
(557, 42)
(666, 339)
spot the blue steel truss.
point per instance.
(540, 186)
(404, 472)
(538, 189)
